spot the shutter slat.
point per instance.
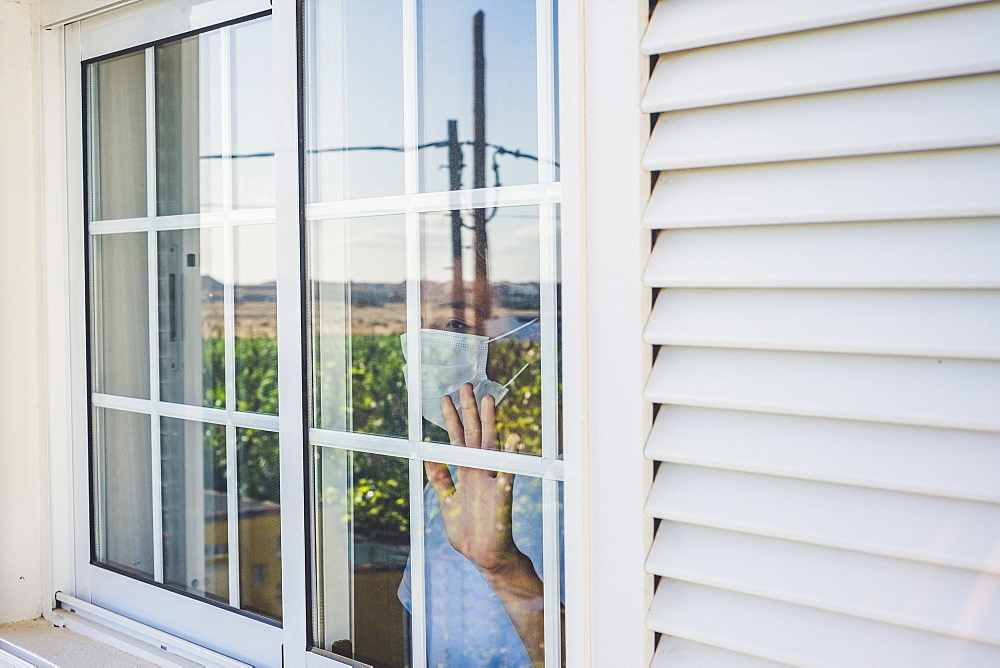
(681, 653)
(959, 534)
(907, 593)
(961, 394)
(937, 184)
(937, 462)
(924, 254)
(856, 122)
(931, 45)
(800, 635)
(686, 24)
(933, 323)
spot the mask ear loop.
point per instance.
(507, 384)
(497, 338)
(530, 322)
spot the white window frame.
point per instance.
(62, 46)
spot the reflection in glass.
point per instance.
(253, 115)
(355, 93)
(119, 302)
(122, 493)
(358, 292)
(256, 319)
(362, 541)
(492, 97)
(467, 623)
(481, 296)
(195, 512)
(260, 522)
(189, 146)
(116, 141)
(191, 329)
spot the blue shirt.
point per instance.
(466, 623)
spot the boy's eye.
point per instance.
(457, 325)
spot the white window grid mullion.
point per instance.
(489, 460)
(418, 598)
(229, 316)
(415, 428)
(378, 445)
(191, 412)
(185, 221)
(232, 483)
(411, 78)
(552, 571)
(117, 402)
(233, 515)
(445, 200)
(492, 460)
(550, 330)
(264, 421)
(121, 225)
(152, 302)
(411, 186)
(545, 79)
(226, 113)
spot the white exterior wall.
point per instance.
(21, 505)
(828, 317)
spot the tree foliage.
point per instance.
(374, 402)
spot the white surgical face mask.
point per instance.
(448, 360)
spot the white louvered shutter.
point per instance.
(827, 259)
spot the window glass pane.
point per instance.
(480, 317)
(485, 604)
(122, 492)
(189, 147)
(119, 305)
(260, 522)
(507, 119)
(195, 511)
(116, 142)
(192, 344)
(363, 542)
(355, 96)
(358, 272)
(253, 115)
(256, 319)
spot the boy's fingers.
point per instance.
(451, 421)
(440, 479)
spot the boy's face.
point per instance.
(449, 318)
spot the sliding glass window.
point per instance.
(430, 320)
(432, 234)
(182, 311)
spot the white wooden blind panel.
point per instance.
(854, 122)
(931, 323)
(800, 635)
(961, 394)
(930, 45)
(919, 460)
(686, 24)
(683, 653)
(914, 254)
(828, 377)
(933, 598)
(936, 184)
(955, 533)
